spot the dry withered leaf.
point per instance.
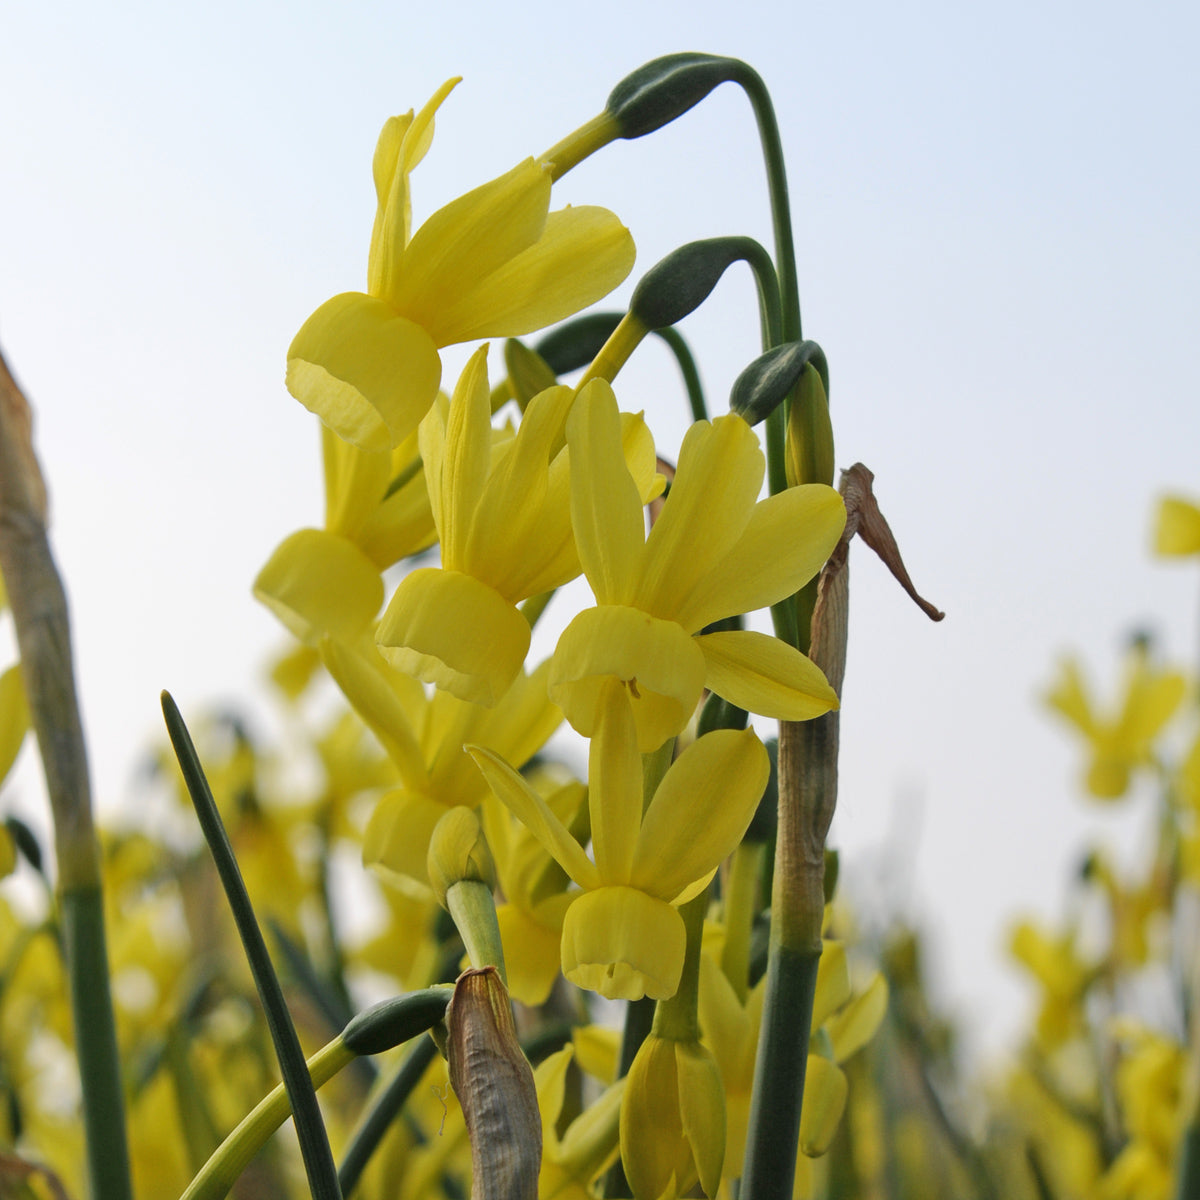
(493, 1081)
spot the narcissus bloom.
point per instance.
(1124, 740)
(672, 1120)
(493, 263)
(713, 553)
(503, 519)
(424, 738)
(623, 937)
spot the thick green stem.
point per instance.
(39, 607)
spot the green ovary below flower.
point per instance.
(503, 519)
(623, 937)
(714, 552)
(493, 263)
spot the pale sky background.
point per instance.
(996, 222)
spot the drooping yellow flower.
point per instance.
(424, 738)
(1123, 741)
(673, 1119)
(493, 263)
(623, 937)
(713, 552)
(503, 519)
(1177, 527)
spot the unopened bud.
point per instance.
(771, 378)
(655, 94)
(809, 454)
(458, 852)
(681, 282)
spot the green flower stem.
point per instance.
(741, 905)
(687, 368)
(678, 1019)
(39, 608)
(781, 213)
(473, 908)
(654, 767)
(575, 147)
(382, 1112)
(200, 1133)
(232, 1156)
(615, 352)
(774, 1129)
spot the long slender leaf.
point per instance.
(310, 1129)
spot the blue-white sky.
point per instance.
(996, 224)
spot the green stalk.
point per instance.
(39, 607)
(382, 1112)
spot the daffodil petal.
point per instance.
(370, 693)
(583, 253)
(396, 839)
(855, 1025)
(550, 1079)
(463, 243)
(614, 785)
(653, 1149)
(624, 944)
(14, 718)
(702, 1110)
(534, 813)
(833, 981)
(317, 583)
(765, 675)
(661, 664)
(785, 543)
(532, 954)
(606, 511)
(1177, 529)
(825, 1090)
(700, 810)
(454, 632)
(366, 371)
(467, 454)
(719, 475)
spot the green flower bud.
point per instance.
(655, 94)
(770, 378)
(392, 1022)
(458, 852)
(808, 456)
(681, 282)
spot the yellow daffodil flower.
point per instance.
(493, 263)
(672, 1119)
(623, 937)
(503, 520)
(1177, 527)
(1123, 741)
(713, 552)
(571, 1161)
(842, 1023)
(424, 738)
(1054, 961)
